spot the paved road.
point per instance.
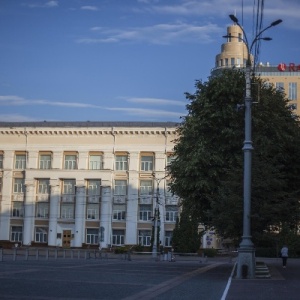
(113, 279)
(72, 279)
(283, 285)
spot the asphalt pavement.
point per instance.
(143, 278)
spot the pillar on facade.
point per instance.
(53, 215)
(28, 215)
(79, 216)
(132, 208)
(105, 218)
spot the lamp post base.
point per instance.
(246, 263)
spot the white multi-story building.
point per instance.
(72, 184)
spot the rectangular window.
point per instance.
(96, 162)
(71, 162)
(1, 161)
(43, 186)
(120, 188)
(170, 158)
(41, 235)
(145, 237)
(121, 162)
(238, 62)
(69, 187)
(232, 61)
(42, 210)
(292, 90)
(118, 237)
(17, 209)
(67, 211)
(226, 62)
(168, 192)
(94, 187)
(19, 185)
(16, 234)
(146, 212)
(20, 161)
(229, 37)
(119, 212)
(146, 187)
(240, 39)
(171, 214)
(147, 163)
(92, 236)
(92, 212)
(279, 86)
(168, 238)
(45, 161)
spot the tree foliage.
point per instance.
(208, 170)
(186, 238)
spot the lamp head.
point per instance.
(276, 22)
(234, 18)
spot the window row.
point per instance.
(93, 189)
(95, 161)
(226, 62)
(92, 236)
(92, 211)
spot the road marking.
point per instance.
(169, 284)
(228, 283)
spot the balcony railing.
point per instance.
(68, 198)
(119, 199)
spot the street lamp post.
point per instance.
(246, 252)
(156, 220)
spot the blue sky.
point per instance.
(122, 60)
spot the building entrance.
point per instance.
(66, 239)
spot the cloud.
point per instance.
(48, 4)
(156, 101)
(13, 100)
(192, 7)
(17, 118)
(164, 34)
(146, 112)
(93, 8)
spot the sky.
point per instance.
(122, 60)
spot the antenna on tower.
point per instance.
(242, 12)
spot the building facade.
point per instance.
(283, 75)
(85, 183)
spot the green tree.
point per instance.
(186, 238)
(208, 170)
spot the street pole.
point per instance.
(246, 252)
(156, 215)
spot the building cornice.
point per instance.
(84, 128)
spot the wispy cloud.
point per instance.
(17, 118)
(157, 34)
(191, 7)
(48, 4)
(155, 101)
(214, 9)
(87, 7)
(13, 100)
(146, 112)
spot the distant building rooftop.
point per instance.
(88, 124)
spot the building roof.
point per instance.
(87, 124)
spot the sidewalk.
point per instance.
(284, 284)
